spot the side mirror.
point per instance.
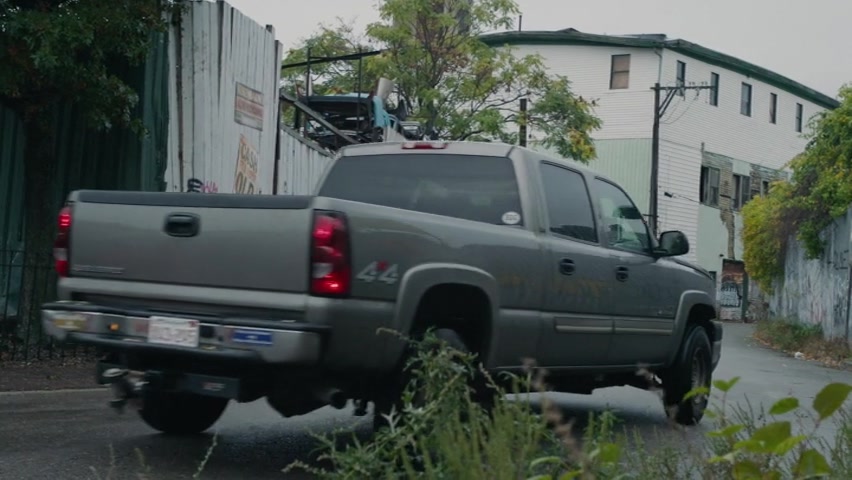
(672, 244)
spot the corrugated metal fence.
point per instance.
(117, 159)
(224, 102)
(301, 163)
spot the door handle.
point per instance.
(621, 274)
(182, 225)
(566, 266)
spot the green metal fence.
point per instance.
(117, 159)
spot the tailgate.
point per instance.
(216, 240)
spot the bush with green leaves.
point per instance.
(819, 193)
(441, 433)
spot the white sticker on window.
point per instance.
(511, 218)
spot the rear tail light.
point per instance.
(62, 244)
(330, 262)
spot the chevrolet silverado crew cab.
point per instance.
(200, 299)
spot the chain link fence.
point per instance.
(25, 283)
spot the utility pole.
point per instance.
(659, 111)
(522, 127)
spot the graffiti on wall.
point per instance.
(245, 178)
(731, 289)
(195, 185)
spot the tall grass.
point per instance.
(447, 435)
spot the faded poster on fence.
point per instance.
(245, 178)
(248, 107)
(731, 289)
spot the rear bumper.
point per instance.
(233, 340)
(717, 343)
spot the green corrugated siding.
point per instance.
(117, 159)
(627, 162)
(11, 186)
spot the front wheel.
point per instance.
(692, 369)
(181, 413)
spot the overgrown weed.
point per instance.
(451, 437)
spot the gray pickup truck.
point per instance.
(199, 299)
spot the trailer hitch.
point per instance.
(124, 388)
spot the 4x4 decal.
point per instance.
(379, 271)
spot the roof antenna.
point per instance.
(520, 22)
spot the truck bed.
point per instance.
(194, 239)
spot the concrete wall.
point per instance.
(817, 291)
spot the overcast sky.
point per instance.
(808, 41)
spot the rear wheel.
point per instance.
(482, 392)
(692, 369)
(181, 413)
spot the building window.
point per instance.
(773, 108)
(742, 191)
(799, 115)
(681, 77)
(619, 75)
(764, 187)
(745, 101)
(714, 92)
(709, 186)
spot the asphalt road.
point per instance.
(73, 434)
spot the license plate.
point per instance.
(70, 321)
(173, 331)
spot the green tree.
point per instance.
(328, 77)
(58, 52)
(459, 87)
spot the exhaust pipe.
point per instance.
(124, 388)
(332, 396)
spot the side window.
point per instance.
(625, 227)
(568, 206)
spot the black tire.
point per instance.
(693, 368)
(181, 413)
(483, 393)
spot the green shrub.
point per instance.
(819, 193)
(451, 437)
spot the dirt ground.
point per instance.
(55, 374)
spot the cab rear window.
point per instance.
(470, 187)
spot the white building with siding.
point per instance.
(718, 147)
